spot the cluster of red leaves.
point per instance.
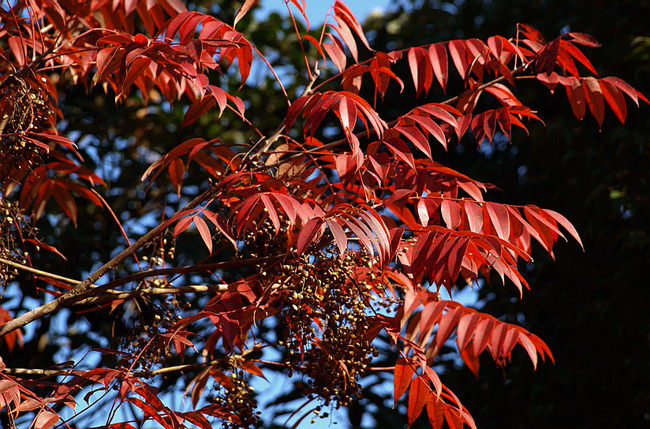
(377, 191)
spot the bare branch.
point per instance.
(223, 362)
(85, 286)
(112, 295)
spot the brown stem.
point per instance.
(223, 362)
(113, 295)
(38, 272)
(85, 286)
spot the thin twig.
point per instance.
(267, 143)
(84, 287)
(112, 295)
(39, 272)
(223, 362)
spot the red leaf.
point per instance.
(566, 224)
(65, 202)
(471, 360)
(136, 70)
(584, 39)
(204, 231)
(430, 315)
(436, 411)
(346, 34)
(198, 419)
(576, 53)
(341, 11)
(615, 99)
(417, 138)
(18, 49)
(336, 53)
(458, 55)
(418, 395)
(438, 58)
(245, 61)
(594, 98)
(530, 348)
(390, 324)
(307, 234)
(363, 234)
(465, 330)
(429, 126)
(404, 370)
(451, 213)
(421, 70)
(482, 335)
(45, 420)
(500, 219)
(448, 323)
(248, 4)
(547, 57)
(147, 409)
(176, 170)
(347, 114)
(198, 109)
(626, 88)
(576, 99)
(270, 209)
(182, 225)
(251, 368)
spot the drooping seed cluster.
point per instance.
(12, 224)
(236, 396)
(160, 250)
(264, 241)
(327, 325)
(23, 109)
(326, 315)
(150, 319)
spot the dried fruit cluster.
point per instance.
(23, 109)
(236, 396)
(325, 309)
(12, 226)
(327, 324)
(150, 319)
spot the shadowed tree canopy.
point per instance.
(592, 308)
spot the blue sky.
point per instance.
(317, 9)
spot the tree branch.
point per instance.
(112, 295)
(38, 272)
(84, 286)
(223, 362)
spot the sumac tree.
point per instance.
(210, 245)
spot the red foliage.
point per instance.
(374, 210)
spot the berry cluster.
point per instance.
(24, 109)
(149, 320)
(327, 325)
(236, 397)
(325, 308)
(12, 225)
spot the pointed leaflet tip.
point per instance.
(566, 224)
(248, 4)
(404, 370)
